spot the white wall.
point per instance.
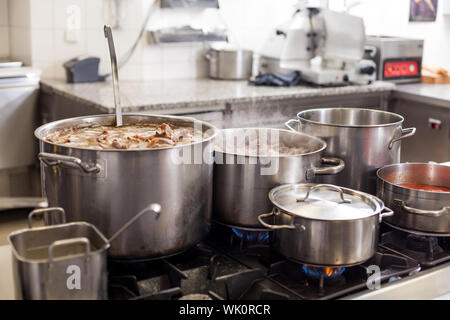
(387, 17)
(4, 29)
(38, 39)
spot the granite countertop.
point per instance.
(436, 94)
(138, 96)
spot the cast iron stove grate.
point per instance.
(428, 251)
(226, 267)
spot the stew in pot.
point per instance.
(136, 136)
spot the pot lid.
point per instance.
(324, 202)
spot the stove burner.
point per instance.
(252, 236)
(319, 272)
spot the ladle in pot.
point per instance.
(115, 75)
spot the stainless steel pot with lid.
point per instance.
(324, 225)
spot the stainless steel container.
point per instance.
(365, 139)
(241, 183)
(324, 225)
(63, 261)
(230, 64)
(107, 187)
(425, 211)
(60, 262)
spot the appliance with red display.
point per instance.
(398, 59)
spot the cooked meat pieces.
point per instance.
(137, 136)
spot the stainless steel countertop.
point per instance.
(435, 94)
(6, 275)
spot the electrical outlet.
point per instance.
(73, 24)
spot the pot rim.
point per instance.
(322, 148)
(378, 203)
(19, 232)
(38, 132)
(423, 194)
(299, 116)
(218, 49)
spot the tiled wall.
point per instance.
(42, 26)
(4, 29)
(37, 35)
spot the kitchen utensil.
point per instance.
(324, 225)
(365, 139)
(115, 74)
(48, 264)
(229, 63)
(241, 183)
(426, 211)
(96, 186)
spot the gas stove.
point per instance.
(237, 264)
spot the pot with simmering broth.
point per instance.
(251, 161)
(104, 174)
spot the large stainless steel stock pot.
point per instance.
(324, 225)
(107, 187)
(242, 182)
(365, 139)
(419, 210)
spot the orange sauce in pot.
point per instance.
(424, 187)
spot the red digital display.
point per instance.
(395, 69)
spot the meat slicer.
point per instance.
(326, 46)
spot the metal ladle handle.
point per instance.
(154, 207)
(327, 187)
(115, 75)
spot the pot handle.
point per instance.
(154, 208)
(51, 159)
(67, 242)
(288, 124)
(386, 212)
(430, 213)
(408, 132)
(41, 212)
(325, 187)
(271, 226)
(208, 56)
(339, 165)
